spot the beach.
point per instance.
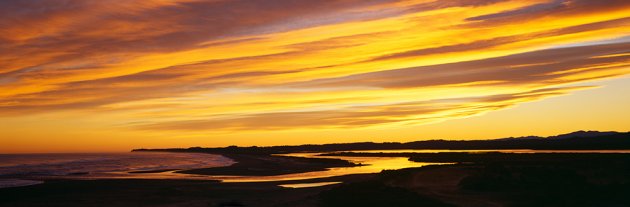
(490, 180)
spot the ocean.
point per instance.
(16, 169)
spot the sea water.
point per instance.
(16, 169)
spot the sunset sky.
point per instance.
(113, 75)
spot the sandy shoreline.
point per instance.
(489, 180)
(267, 165)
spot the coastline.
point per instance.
(477, 179)
(267, 165)
(490, 180)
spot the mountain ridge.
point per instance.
(579, 140)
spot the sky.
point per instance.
(114, 75)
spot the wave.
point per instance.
(16, 166)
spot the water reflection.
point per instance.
(490, 150)
(368, 165)
(308, 185)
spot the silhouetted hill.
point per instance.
(582, 134)
(575, 134)
(580, 140)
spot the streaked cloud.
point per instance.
(248, 65)
(544, 67)
(405, 113)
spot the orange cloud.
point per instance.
(272, 66)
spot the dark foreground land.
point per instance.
(474, 180)
(499, 179)
(488, 179)
(263, 165)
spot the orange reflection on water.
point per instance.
(369, 165)
(490, 150)
(307, 185)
